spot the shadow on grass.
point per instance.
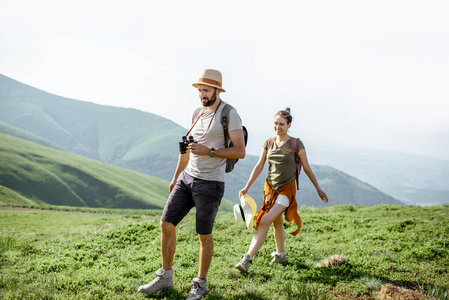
(176, 295)
(170, 294)
(241, 296)
(348, 272)
(334, 275)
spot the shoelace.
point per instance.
(158, 279)
(195, 286)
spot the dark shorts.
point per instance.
(192, 192)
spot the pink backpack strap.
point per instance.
(270, 142)
(294, 149)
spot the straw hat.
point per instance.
(245, 211)
(211, 78)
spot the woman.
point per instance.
(280, 189)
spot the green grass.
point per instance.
(69, 255)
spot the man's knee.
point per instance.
(167, 227)
(205, 238)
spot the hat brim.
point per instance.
(196, 84)
(238, 213)
(249, 207)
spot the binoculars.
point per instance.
(184, 143)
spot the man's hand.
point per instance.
(171, 186)
(198, 149)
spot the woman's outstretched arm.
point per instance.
(305, 164)
(255, 173)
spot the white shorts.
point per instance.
(282, 200)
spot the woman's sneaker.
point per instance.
(244, 263)
(279, 258)
(198, 289)
(163, 281)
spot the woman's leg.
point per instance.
(262, 232)
(279, 233)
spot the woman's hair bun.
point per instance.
(285, 114)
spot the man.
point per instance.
(199, 182)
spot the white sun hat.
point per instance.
(245, 211)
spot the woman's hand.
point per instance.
(243, 192)
(322, 195)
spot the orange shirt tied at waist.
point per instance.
(291, 213)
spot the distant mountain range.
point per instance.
(413, 179)
(143, 142)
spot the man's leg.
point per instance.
(178, 205)
(207, 198)
(164, 276)
(168, 244)
(198, 288)
(206, 252)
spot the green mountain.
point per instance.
(106, 133)
(11, 130)
(143, 142)
(34, 174)
(44, 175)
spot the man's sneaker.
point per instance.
(163, 281)
(244, 263)
(279, 258)
(198, 289)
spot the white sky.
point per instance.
(356, 73)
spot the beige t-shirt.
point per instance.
(281, 163)
(203, 166)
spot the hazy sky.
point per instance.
(356, 73)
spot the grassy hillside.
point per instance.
(14, 131)
(44, 175)
(50, 255)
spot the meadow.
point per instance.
(101, 254)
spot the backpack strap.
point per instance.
(225, 121)
(294, 149)
(270, 142)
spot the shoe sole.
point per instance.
(278, 262)
(148, 293)
(241, 269)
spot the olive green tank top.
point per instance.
(281, 163)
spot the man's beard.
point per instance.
(210, 101)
